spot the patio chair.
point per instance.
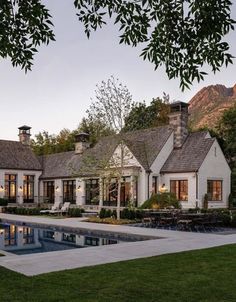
(54, 207)
(65, 207)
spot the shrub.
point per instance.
(160, 201)
(75, 212)
(3, 202)
(131, 214)
(105, 213)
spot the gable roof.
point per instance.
(15, 155)
(191, 155)
(144, 144)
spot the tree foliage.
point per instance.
(181, 35)
(45, 143)
(24, 26)
(112, 104)
(154, 115)
(227, 131)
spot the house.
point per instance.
(167, 158)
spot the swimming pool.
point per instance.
(21, 238)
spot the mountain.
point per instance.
(208, 105)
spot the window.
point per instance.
(125, 191)
(48, 191)
(111, 192)
(28, 236)
(10, 235)
(180, 189)
(69, 191)
(154, 185)
(214, 190)
(92, 191)
(28, 188)
(94, 241)
(10, 187)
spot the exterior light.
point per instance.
(57, 188)
(1, 231)
(20, 229)
(78, 188)
(1, 188)
(163, 188)
(20, 188)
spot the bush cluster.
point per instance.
(161, 201)
(75, 212)
(3, 202)
(105, 213)
(22, 211)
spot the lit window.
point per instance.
(214, 190)
(180, 189)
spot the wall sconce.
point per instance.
(57, 188)
(79, 187)
(163, 188)
(1, 231)
(20, 188)
(1, 189)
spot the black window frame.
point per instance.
(210, 194)
(27, 184)
(49, 191)
(177, 191)
(10, 179)
(92, 191)
(69, 195)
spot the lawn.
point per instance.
(205, 275)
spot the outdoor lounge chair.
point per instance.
(65, 207)
(55, 207)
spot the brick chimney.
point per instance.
(24, 135)
(81, 142)
(178, 120)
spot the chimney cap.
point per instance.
(179, 106)
(82, 137)
(24, 127)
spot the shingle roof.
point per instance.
(144, 145)
(190, 157)
(14, 155)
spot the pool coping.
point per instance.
(171, 242)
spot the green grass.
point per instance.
(200, 276)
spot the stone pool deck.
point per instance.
(170, 242)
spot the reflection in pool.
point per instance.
(26, 240)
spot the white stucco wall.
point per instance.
(19, 182)
(215, 167)
(191, 178)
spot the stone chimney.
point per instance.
(81, 142)
(24, 135)
(178, 120)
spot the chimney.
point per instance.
(81, 142)
(24, 135)
(178, 120)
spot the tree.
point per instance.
(112, 106)
(45, 143)
(182, 35)
(142, 116)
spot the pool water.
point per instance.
(27, 239)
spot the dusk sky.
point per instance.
(59, 89)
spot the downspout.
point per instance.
(148, 181)
(197, 200)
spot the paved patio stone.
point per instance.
(170, 242)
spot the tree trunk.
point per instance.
(118, 200)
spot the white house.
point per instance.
(151, 160)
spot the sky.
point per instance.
(60, 87)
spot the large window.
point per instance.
(69, 191)
(48, 191)
(111, 192)
(214, 190)
(180, 189)
(92, 191)
(28, 189)
(10, 187)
